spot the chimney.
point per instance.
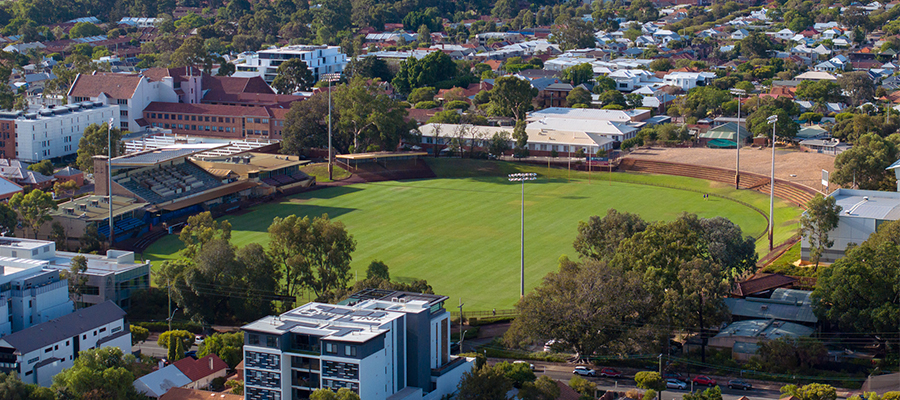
(210, 364)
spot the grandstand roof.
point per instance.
(249, 162)
(153, 157)
(95, 208)
(207, 196)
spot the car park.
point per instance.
(584, 371)
(610, 373)
(673, 383)
(739, 384)
(704, 380)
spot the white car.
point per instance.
(530, 365)
(584, 371)
(676, 384)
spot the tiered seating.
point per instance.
(395, 171)
(122, 225)
(788, 191)
(169, 182)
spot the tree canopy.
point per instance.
(864, 164)
(94, 142)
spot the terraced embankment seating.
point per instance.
(788, 191)
(394, 171)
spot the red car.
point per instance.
(704, 380)
(610, 373)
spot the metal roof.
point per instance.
(765, 329)
(783, 310)
(895, 165)
(868, 204)
(62, 328)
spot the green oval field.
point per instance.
(462, 234)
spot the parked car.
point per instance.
(191, 354)
(198, 339)
(673, 383)
(584, 371)
(739, 384)
(530, 365)
(610, 373)
(548, 346)
(704, 380)
(672, 375)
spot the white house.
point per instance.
(40, 352)
(55, 132)
(665, 36)
(381, 345)
(784, 34)
(739, 34)
(628, 80)
(689, 80)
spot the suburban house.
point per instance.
(188, 373)
(40, 352)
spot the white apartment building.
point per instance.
(381, 344)
(55, 132)
(319, 59)
(131, 93)
(110, 277)
(30, 295)
(40, 352)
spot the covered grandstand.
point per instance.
(170, 182)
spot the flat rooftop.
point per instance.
(95, 208)
(868, 204)
(156, 156)
(587, 113)
(359, 322)
(765, 329)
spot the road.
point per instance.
(564, 373)
(150, 348)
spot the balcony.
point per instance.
(308, 349)
(455, 362)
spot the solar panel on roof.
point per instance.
(340, 311)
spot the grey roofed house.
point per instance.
(62, 328)
(785, 305)
(157, 383)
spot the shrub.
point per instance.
(457, 105)
(426, 105)
(217, 384)
(192, 327)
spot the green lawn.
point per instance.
(462, 233)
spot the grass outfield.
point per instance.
(462, 233)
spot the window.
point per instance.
(330, 348)
(350, 351)
(193, 117)
(254, 339)
(123, 113)
(102, 330)
(56, 347)
(179, 117)
(271, 341)
(49, 349)
(123, 125)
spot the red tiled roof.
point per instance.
(196, 370)
(219, 87)
(209, 109)
(762, 282)
(566, 392)
(178, 393)
(157, 74)
(116, 86)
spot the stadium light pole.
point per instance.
(522, 177)
(109, 179)
(773, 119)
(330, 78)
(737, 139)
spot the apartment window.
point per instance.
(254, 339)
(67, 342)
(205, 119)
(123, 113)
(271, 341)
(56, 347)
(34, 360)
(123, 125)
(350, 351)
(330, 348)
(49, 349)
(102, 330)
(179, 117)
(122, 102)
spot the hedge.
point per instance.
(192, 327)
